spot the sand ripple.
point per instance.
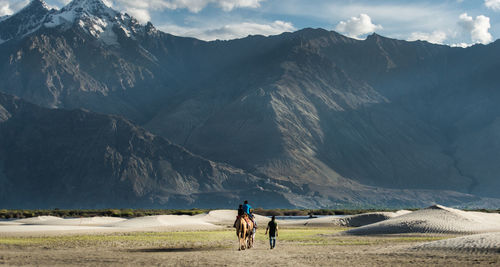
(489, 242)
(435, 219)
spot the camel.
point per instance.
(244, 233)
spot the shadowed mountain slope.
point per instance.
(63, 158)
(328, 117)
(78, 159)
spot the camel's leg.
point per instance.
(244, 241)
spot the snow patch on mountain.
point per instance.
(94, 17)
(24, 22)
(60, 19)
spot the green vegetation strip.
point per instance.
(131, 213)
(225, 238)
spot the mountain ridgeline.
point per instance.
(126, 115)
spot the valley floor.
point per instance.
(297, 246)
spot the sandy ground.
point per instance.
(437, 236)
(480, 243)
(435, 219)
(311, 250)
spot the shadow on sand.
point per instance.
(156, 250)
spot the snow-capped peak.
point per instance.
(82, 10)
(90, 16)
(96, 18)
(95, 7)
(24, 22)
(35, 5)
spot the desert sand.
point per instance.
(489, 242)
(434, 236)
(227, 217)
(435, 219)
(346, 221)
(213, 220)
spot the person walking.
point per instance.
(272, 227)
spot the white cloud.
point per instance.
(228, 5)
(231, 31)
(5, 8)
(106, 2)
(193, 6)
(436, 37)
(492, 4)
(142, 15)
(141, 9)
(461, 45)
(64, 2)
(478, 28)
(357, 26)
(196, 6)
(8, 7)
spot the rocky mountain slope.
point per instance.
(79, 159)
(328, 118)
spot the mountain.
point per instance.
(76, 158)
(314, 106)
(26, 21)
(86, 55)
(330, 120)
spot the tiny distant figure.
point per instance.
(272, 227)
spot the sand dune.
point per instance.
(220, 216)
(50, 220)
(210, 221)
(177, 222)
(227, 217)
(9, 222)
(327, 221)
(489, 242)
(48, 229)
(38, 220)
(369, 218)
(435, 219)
(347, 221)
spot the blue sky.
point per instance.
(450, 22)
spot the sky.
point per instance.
(451, 22)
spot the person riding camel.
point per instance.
(241, 212)
(248, 210)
